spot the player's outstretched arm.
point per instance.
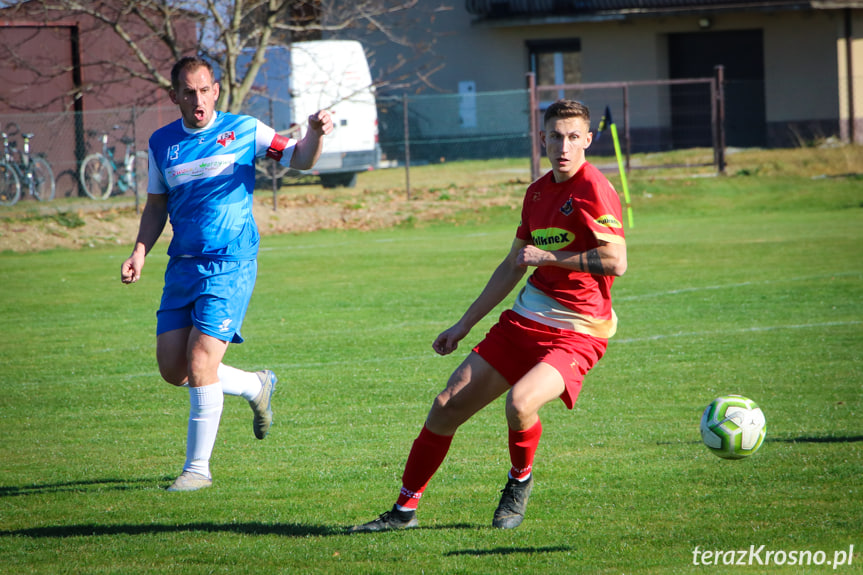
(607, 259)
(505, 277)
(152, 223)
(308, 150)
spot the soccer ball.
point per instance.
(733, 427)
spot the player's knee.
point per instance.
(173, 376)
(443, 419)
(519, 413)
(448, 410)
(442, 403)
(172, 364)
(172, 370)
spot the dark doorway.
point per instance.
(695, 55)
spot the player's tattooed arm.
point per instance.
(591, 262)
(605, 260)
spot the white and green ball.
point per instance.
(733, 427)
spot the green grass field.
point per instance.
(749, 284)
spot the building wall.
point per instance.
(38, 91)
(35, 66)
(856, 77)
(804, 81)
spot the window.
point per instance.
(555, 62)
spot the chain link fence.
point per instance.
(65, 139)
(650, 116)
(451, 127)
(416, 129)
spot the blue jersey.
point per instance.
(209, 177)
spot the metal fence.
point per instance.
(657, 115)
(65, 139)
(452, 127)
(654, 116)
(421, 129)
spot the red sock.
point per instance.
(427, 454)
(522, 448)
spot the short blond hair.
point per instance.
(567, 109)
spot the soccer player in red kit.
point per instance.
(571, 235)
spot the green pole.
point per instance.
(622, 174)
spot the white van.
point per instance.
(296, 82)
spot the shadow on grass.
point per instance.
(846, 439)
(112, 484)
(805, 439)
(96, 530)
(509, 551)
(283, 529)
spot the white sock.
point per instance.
(235, 381)
(204, 414)
(522, 480)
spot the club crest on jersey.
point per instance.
(566, 208)
(226, 138)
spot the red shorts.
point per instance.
(515, 344)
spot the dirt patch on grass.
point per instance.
(85, 224)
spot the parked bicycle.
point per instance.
(34, 172)
(100, 171)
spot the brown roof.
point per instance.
(592, 9)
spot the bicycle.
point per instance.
(97, 173)
(34, 171)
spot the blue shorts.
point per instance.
(211, 295)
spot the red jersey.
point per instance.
(571, 216)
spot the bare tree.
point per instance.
(148, 35)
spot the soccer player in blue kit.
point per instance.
(202, 176)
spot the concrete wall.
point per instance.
(805, 82)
